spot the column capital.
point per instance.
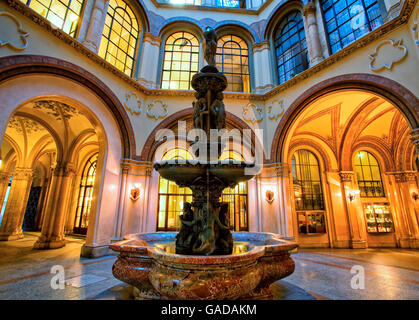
(282, 170)
(346, 176)
(309, 8)
(260, 46)
(151, 39)
(23, 174)
(66, 169)
(405, 176)
(4, 176)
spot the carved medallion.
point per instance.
(157, 109)
(386, 54)
(133, 103)
(275, 109)
(252, 113)
(11, 33)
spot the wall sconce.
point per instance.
(351, 196)
(136, 192)
(269, 196)
(415, 196)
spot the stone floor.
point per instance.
(25, 273)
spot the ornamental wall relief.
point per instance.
(252, 113)
(276, 109)
(157, 109)
(11, 33)
(58, 110)
(133, 103)
(386, 54)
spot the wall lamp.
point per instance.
(136, 192)
(352, 195)
(269, 196)
(415, 196)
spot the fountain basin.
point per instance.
(148, 262)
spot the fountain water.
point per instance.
(209, 261)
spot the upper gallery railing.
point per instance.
(235, 4)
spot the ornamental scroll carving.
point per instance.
(386, 54)
(11, 34)
(252, 113)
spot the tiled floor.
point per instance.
(25, 273)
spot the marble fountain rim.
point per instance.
(130, 244)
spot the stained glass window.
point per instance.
(65, 14)
(84, 203)
(348, 20)
(290, 47)
(233, 60)
(368, 175)
(180, 62)
(120, 36)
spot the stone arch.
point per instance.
(12, 67)
(403, 99)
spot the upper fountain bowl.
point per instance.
(184, 173)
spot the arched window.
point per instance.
(65, 14)
(233, 59)
(84, 203)
(368, 175)
(348, 20)
(308, 192)
(290, 47)
(378, 212)
(120, 36)
(180, 63)
(172, 198)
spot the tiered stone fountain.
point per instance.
(205, 260)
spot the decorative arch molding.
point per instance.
(238, 28)
(14, 66)
(150, 146)
(314, 147)
(181, 24)
(141, 13)
(402, 98)
(282, 9)
(380, 152)
(18, 155)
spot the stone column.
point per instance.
(405, 187)
(120, 213)
(354, 211)
(285, 199)
(11, 226)
(263, 75)
(96, 23)
(147, 75)
(52, 233)
(315, 51)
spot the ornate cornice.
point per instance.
(373, 35)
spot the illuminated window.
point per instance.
(379, 218)
(368, 175)
(172, 198)
(84, 203)
(348, 20)
(120, 35)
(180, 63)
(65, 14)
(290, 47)
(233, 60)
(308, 192)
